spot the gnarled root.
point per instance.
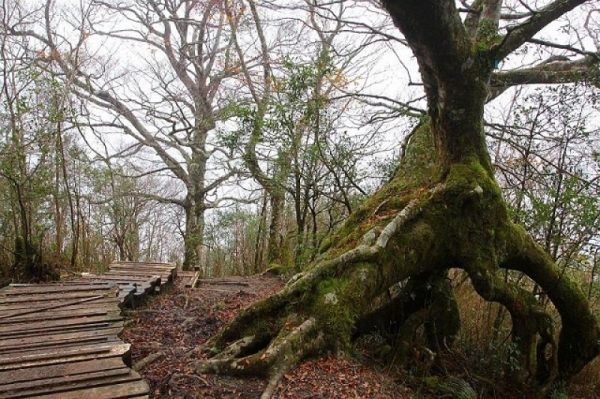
(579, 338)
(426, 300)
(529, 320)
(261, 324)
(283, 353)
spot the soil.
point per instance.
(180, 319)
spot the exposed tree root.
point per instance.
(367, 251)
(151, 358)
(283, 353)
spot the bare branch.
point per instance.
(525, 31)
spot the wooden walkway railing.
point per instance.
(61, 340)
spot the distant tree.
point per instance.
(548, 168)
(231, 236)
(170, 100)
(547, 165)
(34, 165)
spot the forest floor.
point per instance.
(177, 321)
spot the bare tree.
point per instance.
(33, 106)
(170, 100)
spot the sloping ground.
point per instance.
(168, 329)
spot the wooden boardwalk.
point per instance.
(61, 340)
(188, 279)
(136, 279)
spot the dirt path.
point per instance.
(177, 321)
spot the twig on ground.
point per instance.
(151, 358)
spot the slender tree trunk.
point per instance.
(59, 239)
(260, 245)
(275, 250)
(72, 210)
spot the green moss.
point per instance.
(487, 34)
(331, 310)
(275, 269)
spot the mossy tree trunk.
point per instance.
(193, 235)
(195, 205)
(443, 210)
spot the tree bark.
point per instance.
(193, 235)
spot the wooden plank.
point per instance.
(153, 272)
(122, 386)
(156, 278)
(133, 389)
(58, 346)
(57, 326)
(101, 303)
(142, 286)
(65, 329)
(188, 279)
(57, 384)
(49, 307)
(54, 288)
(19, 343)
(73, 295)
(122, 292)
(84, 352)
(195, 279)
(156, 270)
(138, 288)
(54, 296)
(145, 273)
(53, 324)
(165, 268)
(123, 279)
(59, 314)
(59, 370)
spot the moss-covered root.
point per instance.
(579, 340)
(426, 300)
(284, 352)
(529, 320)
(444, 323)
(432, 291)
